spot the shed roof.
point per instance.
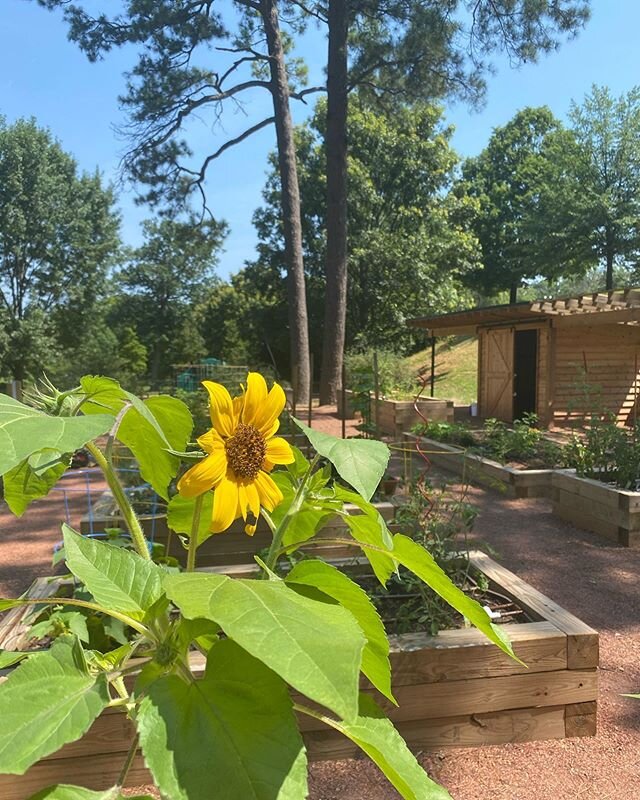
(621, 306)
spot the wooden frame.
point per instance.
(392, 417)
(606, 510)
(484, 471)
(454, 690)
(235, 547)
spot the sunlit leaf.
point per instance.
(315, 647)
(231, 734)
(375, 735)
(335, 584)
(117, 579)
(360, 462)
(24, 431)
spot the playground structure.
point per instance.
(188, 377)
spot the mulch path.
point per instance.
(587, 575)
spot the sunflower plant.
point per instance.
(217, 673)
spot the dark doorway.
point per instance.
(525, 372)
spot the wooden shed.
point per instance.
(557, 358)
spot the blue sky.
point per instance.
(45, 76)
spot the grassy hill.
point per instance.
(456, 368)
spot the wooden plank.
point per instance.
(588, 522)
(471, 731)
(483, 695)
(581, 719)
(417, 658)
(100, 771)
(582, 643)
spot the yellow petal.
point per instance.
(210, 441)
(249, 504)
(225, 504)
(255, 398)
(279, 451)
(223, 418)
(270, 495)
(203, 476)
(266, 420)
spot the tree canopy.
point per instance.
(58, 237)
(408, 248)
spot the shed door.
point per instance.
(499, 374)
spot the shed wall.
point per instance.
(595, 366)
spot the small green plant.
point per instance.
(522, 442)
(439, 519)
(606, 452)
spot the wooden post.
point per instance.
(376, 388)
(433, 366)
(343, 394)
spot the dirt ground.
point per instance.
(590, 577)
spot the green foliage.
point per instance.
(314, 633)
(50, 699)
(408, 242)
(151, 429)
(333, 583)
(115, 578)
(360, 464)
(164, 279)
(506, 181)
(234, 731)
(522, 442)
(606, 452)
(58, 235)
(65, 792)
(25, 431)
(375, 735)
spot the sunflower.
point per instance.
(242, 449)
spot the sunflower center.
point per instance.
(246, 450)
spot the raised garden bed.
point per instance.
(484, 471)
(235, 547)
(392, 417)
(455, 689)
(597, 507)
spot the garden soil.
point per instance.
(597, 581)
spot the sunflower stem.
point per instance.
(296, 503)
(130, 517)
(193, 538)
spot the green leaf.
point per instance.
(377, 737)
(150, 428)
(360, 462)
(23, 484)
(368, 509)
(10, 657)
(315, 647)
(414, 557)
(49, 700)
(118, 579)
(232, 734)
(335, 584)
(366, 529)
(24, 431)
(300, 464)
(67, 792)
(180, 515)
(309, 520)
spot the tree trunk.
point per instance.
(336, 148)
(609, 257)
(513, 292)
(292, 224)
